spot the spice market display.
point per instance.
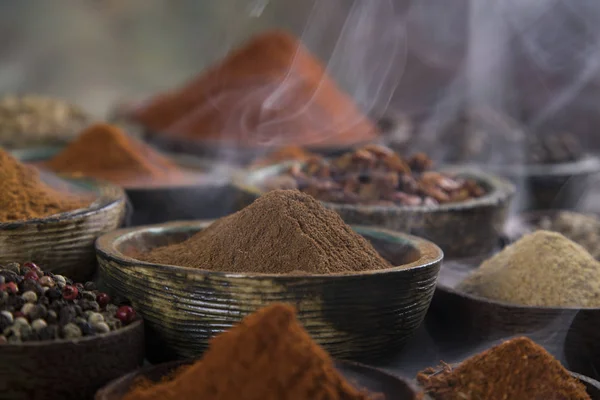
(317, 160)
(106, 152)
(267, 356)
(37, 306)
(225, 103)
(24, 195)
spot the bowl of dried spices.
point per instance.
(259, 359)
(160, 187)
(60, 339)
(462, 210)
(544, 286)
(516, 369)
(54, 221)
(191, 280)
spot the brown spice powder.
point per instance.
(516, 369)
(23, 194)
(282, 232)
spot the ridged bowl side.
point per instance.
(357, 316)
(362, 376)
(466, 229)
(69, 369)
(64, 243)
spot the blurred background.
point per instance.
(537, 61)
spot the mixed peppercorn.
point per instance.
(37, 305)
(376, 175)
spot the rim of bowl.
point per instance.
(188, 162)
(101, 203)
(588, 164)
(39, 343)
(500, 189)
(106, 245)
(481, 299)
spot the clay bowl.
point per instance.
(211, 197)
(551, 186)
(69, 369)
(64, 243)
(462, 230)
(457, 320)
(367, 315)
(362, 376)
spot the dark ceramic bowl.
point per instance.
(552, 186)
(365, 315)
(211, 197)
(462, 229)
(64, 243)
(69, 369)
(458, 319)
(362, 376)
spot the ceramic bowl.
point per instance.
(370, 379)
(212, 197)
(463, 229)
(64, 243)
(552, 186)
(69, 369)
(458, 319)
(353, 316)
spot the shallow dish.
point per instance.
(64, 243)
(361, 376)
(212, 197)
(458, 319)
(354, 316)
(464, 229)
(69, 369)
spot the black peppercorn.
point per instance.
(13, 267)
(52, 317)
(9, 276)
(33, 286)
(57, 305)
(79, 311)
(89, 286)
(66, 315)
(54, 293)
(16, 301)
(38, 312)
(87, 305)
(86, 295)
(86, 328)
(5, 322)
(48, 333)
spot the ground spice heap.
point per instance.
(232, 101)
(516, 369)
(541, 269)
(282, 232)
(23, 194)
(268, 356)
(106, 152)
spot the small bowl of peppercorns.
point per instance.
(462, 210)
(61, 339)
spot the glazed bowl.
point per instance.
(462, 229)
(211, 197)
(457, 320)
(69, 369)
(551, 186)
(362, 376)
(65, 242)
(366, 315)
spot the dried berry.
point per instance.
(70, 292)
(103, 299)
(10, 288)
(125, 314)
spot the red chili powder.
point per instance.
(271, 91)
(105, 152)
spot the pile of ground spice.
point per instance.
(268, 356)
(282, 232)
(105, 152)
(271, 91)
(23, 194)
(541, 269)
(515, 369)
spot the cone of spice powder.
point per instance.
(105, 152)
(282, 232)
(516, 369)
(271, 91)
(268, 356)
(24, 196)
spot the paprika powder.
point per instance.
(268, 356)
(270, 92)
(23, 194)
(515, 369)
(105, 152)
